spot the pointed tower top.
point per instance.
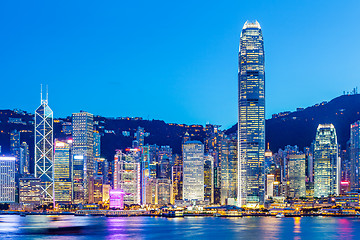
(44, 101)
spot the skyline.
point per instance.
(106, 51)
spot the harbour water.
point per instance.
(90, 227)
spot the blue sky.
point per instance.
(173, 60)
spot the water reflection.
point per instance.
(71, 227)
(297, 228)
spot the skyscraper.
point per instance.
(228, 170)
(326, 162)
(7, 179)
(15, 149)
(127, 176)
(62, 173)
(251, 122)
(355, 156)
(24, 159)
(44, 149)
(83, 154)
(296, 176)
(193, 171)
(209, 178)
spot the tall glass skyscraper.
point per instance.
(44, 149)
(193, 171)
(83, 155)
(229, 171)
(251, 123)
(62, 173)
(355, 156)
(326, 162)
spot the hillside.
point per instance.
(299, 128)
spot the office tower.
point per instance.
(145, 171)
(15, 149)
(355, 156)
(296, 176)
(97, 145)
(96, 189)
(309, 164)
(251, 123)
(213, 140)
(163, 191)
(106, 191)
(83, 154)
(269, 159)
(150, 191)
(270, 179)
(140, 136)
(24, 159)
(228, 170)
(177, 177)
(209, 178)
(62, 173)
(127, 177)
(345, 157)
(164, 168)
(29, 192)
(193, 171)
(100, 166)
(7, 179)
(44, 149)
(326, 162)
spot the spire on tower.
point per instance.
(41, 92)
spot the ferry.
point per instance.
(280, 215)
(172, 214)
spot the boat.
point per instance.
(172, 214)
(280, 215)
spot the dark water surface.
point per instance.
(49, 228)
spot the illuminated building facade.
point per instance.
(24, 159)
(229, 157)
(145, 171)
(29, 192)
(251, 123)
(62, 173)
(193, 171)
(296, 176)
(355, 156)
(163, 192)
(127, 177)
(7, 179)
(177, 177)
(96, 189)
(270, 179)
(44, 149)
(116, 199)
(83, 152)
(209, 178)
(15, 150)
(326, 162)
(140, 136)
